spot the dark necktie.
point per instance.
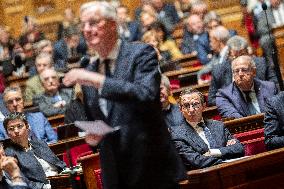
(251, 108)
(106, 63)
(208, 135)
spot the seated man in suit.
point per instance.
(192, 42)
(54, 99)
(10, 174)
(33, 84)
(170, 111)
(166, 13)
(202, 143)
(222, 73)
(35, 158)
(246, 95)
(218, 40)
(39, 125)
(274, 122)
(128, 30)
(72, 46)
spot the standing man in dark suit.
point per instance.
(222, 73)
(122, 89)
(246, 95)
(202, 143)
(274, 122)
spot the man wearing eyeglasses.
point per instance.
(200, 142)
(39, 124)
(121, 88)
(246, 95)
(222, 73)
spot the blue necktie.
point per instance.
(251, 108)
(208, 135)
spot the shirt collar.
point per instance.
(195, 124)
(114, 52)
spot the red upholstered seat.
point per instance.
(76, 152)
(175, 84)
(98, 176)
(254, 146)
(250, 135)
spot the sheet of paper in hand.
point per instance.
(97, 127)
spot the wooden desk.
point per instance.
(245, 124)
(182, 71)
(60, 147)
(89, 164)
(264, 170)
(56, 120)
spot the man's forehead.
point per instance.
(11, 94)
(91, 14)
(242, 63)
(190, 97)
(15, 122)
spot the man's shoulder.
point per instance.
(214, 123)
(35, 116)
(31, 81)
(277, 99)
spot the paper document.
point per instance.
(97, 127)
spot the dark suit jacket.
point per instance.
(274, 122)
(222, 76)
(191, 147)
(168, 16)
(61, 49)
(46, 102)
(134, 29)
(28, 164)
(5, 185)
(173, 116)
(232, 104)
(140, 155)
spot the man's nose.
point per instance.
(15, 103)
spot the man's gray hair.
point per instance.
(237, 43)
(106, 9)
(244, 58)
(221, 34)
(212, 16)
(166, 82)
(44, 55)
(48, 69)
(11, 89)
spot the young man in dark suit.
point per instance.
(202, 143)
(246, 95)
(121, 88)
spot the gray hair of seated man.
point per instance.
(166, 82)
(237, 43)
(221, 34)
(244, 58)
(212, 16)
(106, 10)
(11, 89)
(44, 55)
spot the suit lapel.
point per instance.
(194, 139)
(214, 132)
(121, 67)
(241, 102)
(259, 94)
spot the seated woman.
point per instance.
(35, 159)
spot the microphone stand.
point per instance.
(274, 50)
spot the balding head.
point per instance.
(195, 24)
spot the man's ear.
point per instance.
(254, 72)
